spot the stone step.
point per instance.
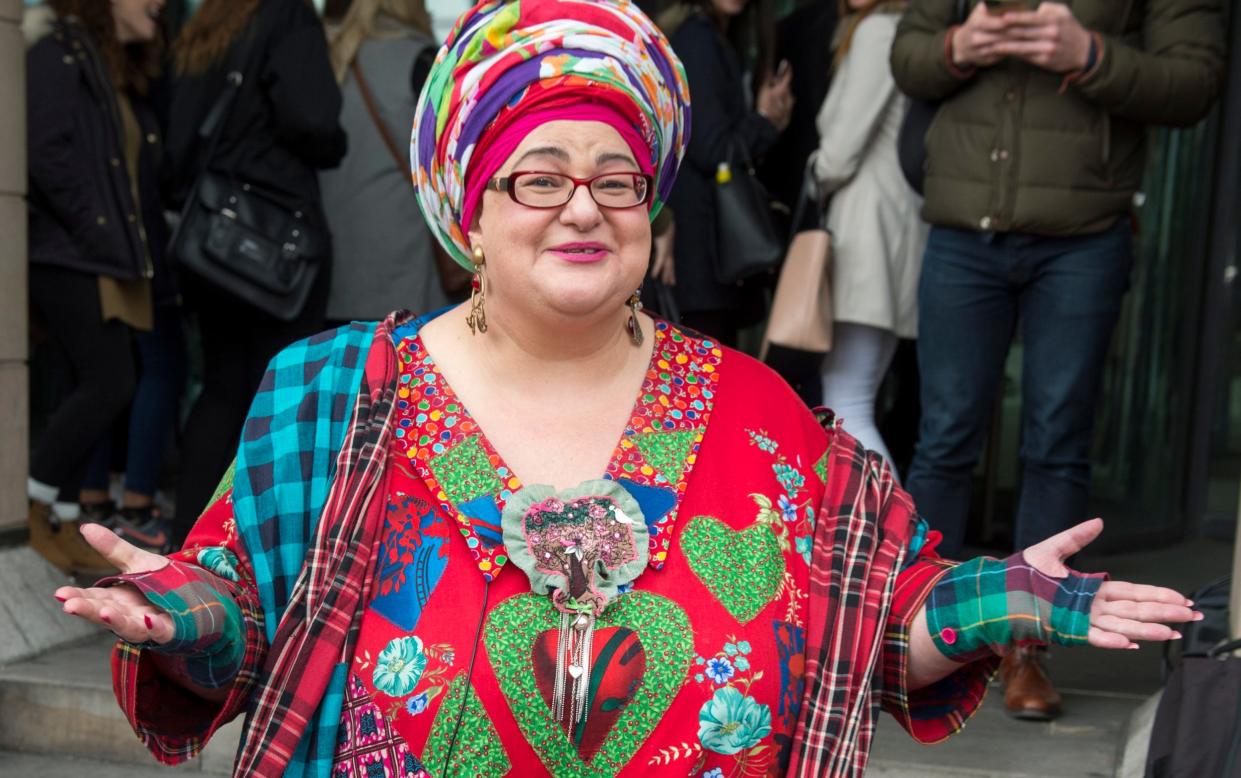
(61, 704)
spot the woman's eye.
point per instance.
(542, 182)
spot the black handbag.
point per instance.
(747, 242)
(243, 240)
(911, 142)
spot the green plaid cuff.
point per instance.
(985, 605)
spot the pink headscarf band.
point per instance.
(502, 139)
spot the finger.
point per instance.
(1074, 539)
(1100, 638)
(104, 614)
(1025, 49)
(1147, 611)
(1038, 32)
(1134, 630)
(126, 556)
(1124, 590)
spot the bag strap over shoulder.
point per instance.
(213, 124)
(369, 99)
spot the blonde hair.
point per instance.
(359, 24)
(851, 20)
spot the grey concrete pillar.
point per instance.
(14, 405)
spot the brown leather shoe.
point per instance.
(1028, 693)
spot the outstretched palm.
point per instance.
(120, 608)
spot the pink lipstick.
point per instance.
(581, 252)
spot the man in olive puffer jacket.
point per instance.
(1032, 162)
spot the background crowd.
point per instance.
(1031, 164)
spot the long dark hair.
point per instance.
(751, 32)
(131, 65)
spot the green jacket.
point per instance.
(1009, 151)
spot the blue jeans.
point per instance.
(153, 415)
(975, 289)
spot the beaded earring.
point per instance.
(478, 295)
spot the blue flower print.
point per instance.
(416, 704)
(399, 666)
(731, 722)
(788, 511)
(220, 561)
(804, 545)
(720, 669)
(714, 772)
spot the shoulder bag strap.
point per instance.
(365, 90)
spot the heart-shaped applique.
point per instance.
(515, 626)
(742, 568)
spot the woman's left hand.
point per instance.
(1122, 612)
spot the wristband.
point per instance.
(983, 606)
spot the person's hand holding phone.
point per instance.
(1049, 37)
(775, 98)
(974, 42)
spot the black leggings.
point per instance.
(101, 376)
(237, 344)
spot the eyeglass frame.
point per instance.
(509, 184)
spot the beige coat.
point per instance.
(878, 235)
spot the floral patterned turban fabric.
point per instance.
(501, 58)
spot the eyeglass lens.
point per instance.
(546, 190)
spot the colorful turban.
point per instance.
(504, 63)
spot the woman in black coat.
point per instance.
(96, 237)
(722, 120)
(283, 128)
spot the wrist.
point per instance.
(958, 66)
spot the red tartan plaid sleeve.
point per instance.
(156, 695)
(933, 713)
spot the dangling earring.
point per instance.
(478, 293)
(631, 324)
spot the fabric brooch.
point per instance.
(580, 546)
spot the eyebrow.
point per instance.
(563, 156)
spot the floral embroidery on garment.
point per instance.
(220, 561)
(412, 559)
(732, 721)
(795, 516)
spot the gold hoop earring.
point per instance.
(478, 295)
(632, 326)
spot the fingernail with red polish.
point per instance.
(105, 619)
(59, 598)
(146, 619)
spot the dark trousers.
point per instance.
(237, 343)
(975, 290)
(101, 374)
(153, 414)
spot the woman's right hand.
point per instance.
(120, 608)
(974, 42)
(775, 98)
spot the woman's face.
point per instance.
(728, 8)
(575, 261)
(136, 20)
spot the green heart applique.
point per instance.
(743, 569)
(664, 631)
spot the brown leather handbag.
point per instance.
(799, 329)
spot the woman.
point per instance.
(384, 258)
(281, 130)
(95, 235)
(353, 586)
(705, 36)
(877, 234)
